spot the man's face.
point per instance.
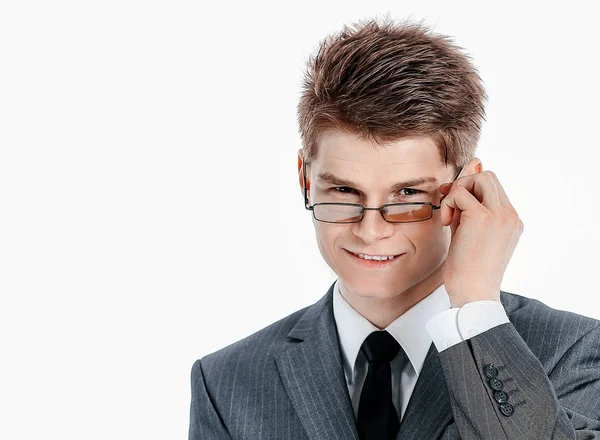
(421, 247)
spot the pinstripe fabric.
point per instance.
(286, 382)
(550, 364)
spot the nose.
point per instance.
(373, 227)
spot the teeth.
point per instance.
(376, 257)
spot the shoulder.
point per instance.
(251, 362)
(547, 331)
(523, 310)
(255, 351)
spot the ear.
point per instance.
(473, 167)
(300, 177)
(300, 167)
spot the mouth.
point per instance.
(374, 262)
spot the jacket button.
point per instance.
(496, 384)
(500, 396)
(490, 371)
(507, 409)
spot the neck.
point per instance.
(381, 312)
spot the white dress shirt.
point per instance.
(430, 320)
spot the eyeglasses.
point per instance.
(409, 212)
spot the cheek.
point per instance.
(324, 234)
(327, 237)
(429, 241)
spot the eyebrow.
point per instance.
(334, 180)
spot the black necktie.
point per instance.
(377, 417)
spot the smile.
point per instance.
(374, 261)
(375, 257)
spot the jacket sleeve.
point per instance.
(205, 422)
(499, 390)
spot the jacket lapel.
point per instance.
(311, 371)
(429, 411)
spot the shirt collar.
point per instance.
(408, 329)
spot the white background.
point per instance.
(126, 126)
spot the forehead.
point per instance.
(346, 151)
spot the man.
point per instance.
(415, 339)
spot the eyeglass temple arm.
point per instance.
(459, 173)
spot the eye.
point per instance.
(414, 191)
(348, 190)
(343, 189)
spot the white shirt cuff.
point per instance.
(456, 325)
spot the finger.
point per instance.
(463, 199)
(501, 192)
(455, 222)
(482, 185)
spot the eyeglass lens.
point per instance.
(350, 213)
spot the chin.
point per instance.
(375, 288)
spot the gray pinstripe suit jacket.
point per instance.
(285, 382)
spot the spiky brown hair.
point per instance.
(386, 81)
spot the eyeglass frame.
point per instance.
(363, 208)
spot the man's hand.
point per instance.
(485, 229)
